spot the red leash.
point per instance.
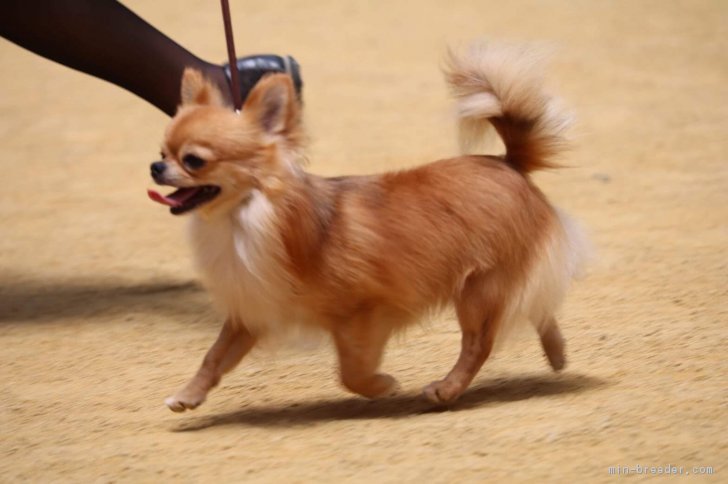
(232, 59)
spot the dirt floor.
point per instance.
(101, 316)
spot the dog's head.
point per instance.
(217, 157)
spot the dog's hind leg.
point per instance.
(233, 343)
(479, 310)
(360, 344)
(553, 343)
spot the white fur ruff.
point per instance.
(239, 257)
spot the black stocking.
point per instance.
(105, 39)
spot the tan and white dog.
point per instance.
(363, 256)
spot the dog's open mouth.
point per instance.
(185, 199)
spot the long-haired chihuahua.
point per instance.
(363, 256)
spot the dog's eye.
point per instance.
(193, 162)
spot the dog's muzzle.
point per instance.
(157, 170)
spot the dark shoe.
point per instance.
(253, 67)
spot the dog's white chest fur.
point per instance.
(239, 257)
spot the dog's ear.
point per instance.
(196, 89)
(272, 105)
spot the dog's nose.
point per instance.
(158, 168)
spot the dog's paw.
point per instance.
(442, 392)
(388, 386)
(182, 402)
(557, 361)
(376, 386)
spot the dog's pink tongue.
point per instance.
(173, 199)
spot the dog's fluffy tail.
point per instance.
(500, 85)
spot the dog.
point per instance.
(361, 257)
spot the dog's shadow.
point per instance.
(25, 299)
(488, 393)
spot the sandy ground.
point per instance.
(101, 316)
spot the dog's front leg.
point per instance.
(360, 344)
(233, 343)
